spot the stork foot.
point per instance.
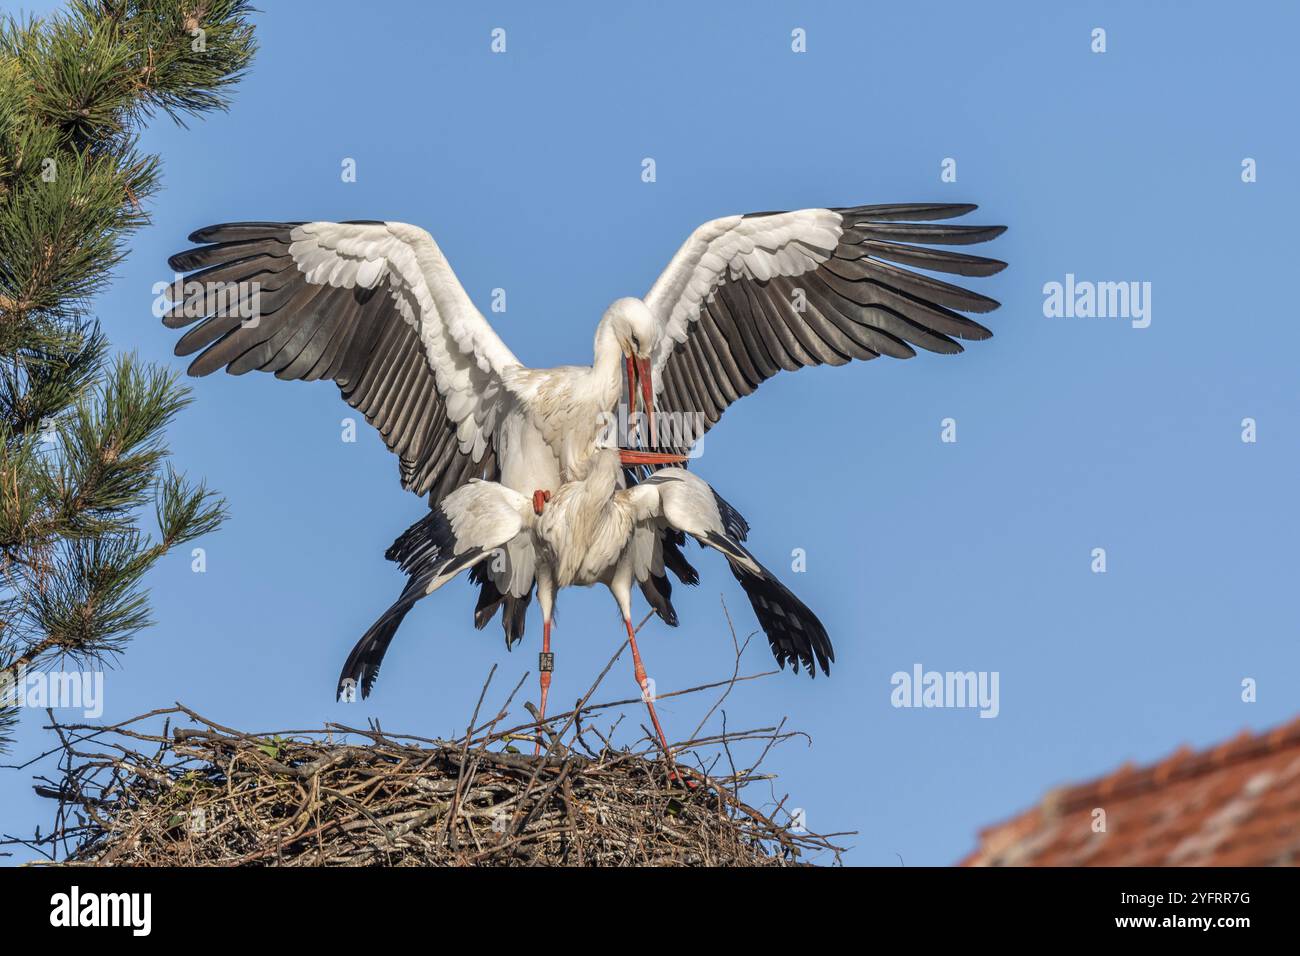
(539, 500)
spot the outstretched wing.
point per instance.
(375, 307)
(684, 502)
(461, 531)
(747, 296)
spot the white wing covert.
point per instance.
(375, 307)
(747, 296)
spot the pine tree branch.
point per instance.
(82, 449)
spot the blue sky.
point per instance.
(1073, 433)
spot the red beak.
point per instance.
(645, 374)
(630, 364)
(628, 456)
(639, 370)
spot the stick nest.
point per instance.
(207, 795)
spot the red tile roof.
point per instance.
(1237, 804)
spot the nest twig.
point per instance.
(209, 795)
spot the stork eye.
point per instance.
(636, 344)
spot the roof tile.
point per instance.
(1236, 804)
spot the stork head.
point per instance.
(634, 327)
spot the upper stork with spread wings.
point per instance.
(375, 307)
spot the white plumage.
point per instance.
(591, 531)
(375, 307)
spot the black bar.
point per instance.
(1001, 904)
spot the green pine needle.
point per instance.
(84, 465)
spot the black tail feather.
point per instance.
(514, 610)
(362, 666)
(793, 630)
(489, 598)
(675, 559)
(514, 614)
(658, 591)
(426, 552)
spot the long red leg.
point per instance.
(545, 664)
(644, 683)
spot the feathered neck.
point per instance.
(602, 477)
(607, 366)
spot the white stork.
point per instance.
(591, 531)
(375, 307)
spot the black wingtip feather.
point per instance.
(183, 261)
(675, 560)
(514, 610)
(732, 520)
(906, 211)
(793, 631)
(658, 592)
(362, 666)
(235, 231)
(922, 232)
(489, 598)
(514, 617)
